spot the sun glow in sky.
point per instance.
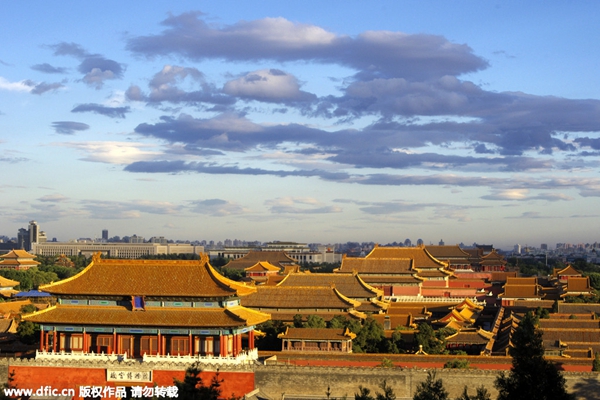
(365, 121)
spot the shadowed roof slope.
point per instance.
(296, 297)
(152, 316)
(419, 255)
(350, 285)
(447, 251)
(173, 278)
(276, 258)
(376, 265)
(18, 258)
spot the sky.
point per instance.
(462, 121)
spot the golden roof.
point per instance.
(420, 256)
(350, 285)
(18, 258)
(151, 316)
(13, 306)
(442, 252)
(5, 282)
(376, 265)
(298, 297)
(568, 270)
(15, 254)
(173, 278)
(277, 258)
(263, 266)
(317, 334)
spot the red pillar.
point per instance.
(115, 344)
(251, 339)
(42, 339)
(222, 345)
(190, 346)
(159, 345)
(54, 340)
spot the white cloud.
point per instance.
(112, 152)
(21, 86)
(267, 85)
(300, 205)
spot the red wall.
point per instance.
(26, 377)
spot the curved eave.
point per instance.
(240, 288)
(57, 285)
(251, 317)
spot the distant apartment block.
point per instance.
(300, 252)
(121, 250)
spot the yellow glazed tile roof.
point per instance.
(151, 316)
(174, 278)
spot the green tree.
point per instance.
(531, 377)
(596, 363)
(28, 332)
(370, 338)
(315, 321)
(432, 343)
(431, 389)
(395, 344)
(28, 309)
(192, 387)
(481, 394)
(363, 394)
(271, 329)
(542, 313)
(458, 363)
(388, 392)
(338, 322)
(298, 321)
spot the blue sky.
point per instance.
(367, 121)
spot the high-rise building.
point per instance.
(104, 234)
(34, 232)
(26, 237)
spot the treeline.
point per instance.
(48, 271)
(370, 335)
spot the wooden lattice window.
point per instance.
(76, 342)
(149, 345)
(180, 345)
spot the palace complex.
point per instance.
(153, 311)
(127, 322)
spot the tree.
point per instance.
(315, 321)
(431, 389)
(531, 377)
(388, 392)
(28, 309)
(298, 321)
(542, 313)
(370, 338)
(482, 394)
(365, 393)
(432, 343)
(192, 387)
(596, 363)
(28, 332)
(459, 363)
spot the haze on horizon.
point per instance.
(345, 121)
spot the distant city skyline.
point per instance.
(310, 122)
